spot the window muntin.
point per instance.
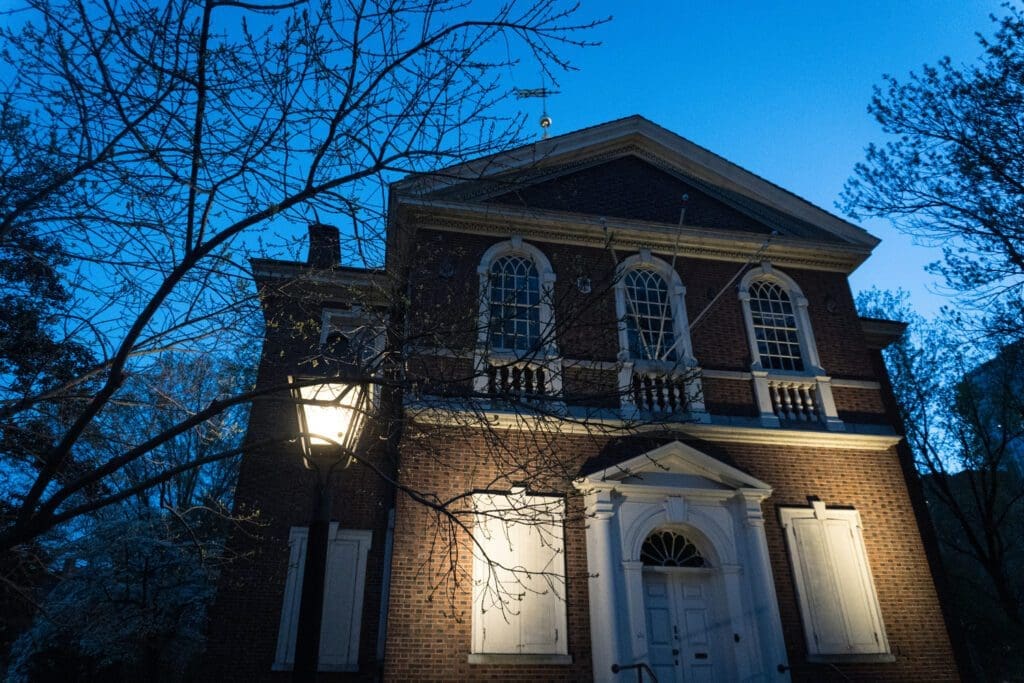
(670, 549)
(519, 575)
(649, 324)
(775, 327)
(514, 304)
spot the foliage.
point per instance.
(952, 170)
(962, 406)
(130, 604)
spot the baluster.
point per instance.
(648, 394)
(528, 383)
(504, 384)
(773, 388)
(811, 406)
(799, 404)
(659, 394)
(787, 401)
(492, 377)
(671, 386)
(637, 392)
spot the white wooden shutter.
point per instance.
(519, 575)
(837, 596)
(344, 581)
(285, 655)
(542, 629)
(496, 592)
(343, 599)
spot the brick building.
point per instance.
(626, 413)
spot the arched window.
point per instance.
(514, 298)
(652, 315)
(775, 327)
(649, 322)
(516, 355)
(789, 383)
(778, 327)
(665, 548)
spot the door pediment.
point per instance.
(674, 465)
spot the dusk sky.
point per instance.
(780, 88)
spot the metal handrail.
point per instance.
(640, 668)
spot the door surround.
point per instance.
(719, 508)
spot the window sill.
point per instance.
(873, 658)
(323, 668)
(523, 660)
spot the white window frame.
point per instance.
(336, 653)
(505, 595)
(685, 362)
(770, 385)
(348, 322)
(835, 590)
(547, 354)
(805, 335)
(676, 300)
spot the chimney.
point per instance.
(324, 246)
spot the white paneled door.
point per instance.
(685, 637)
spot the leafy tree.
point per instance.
(962, 408)
(952, 170)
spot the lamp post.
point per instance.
(332, 413)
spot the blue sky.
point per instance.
(781, 88)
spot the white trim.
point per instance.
(623, 233)
(676, 456)
(337, 578)
(547, 355)
(610, 426)
(719, 508)
(843, 588)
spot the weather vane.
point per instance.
(541, 92)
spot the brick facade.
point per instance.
(425, 468)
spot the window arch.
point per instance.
(516, 282)
(652, 316)
(666, 548)
(778, 327)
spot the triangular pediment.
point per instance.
(635, 170)
(676, 465)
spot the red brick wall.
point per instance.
(430, 623)
(447, 308)
(277, 493)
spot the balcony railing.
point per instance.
(795, 398)
(659, 394)
(661, 391)
(521, 380)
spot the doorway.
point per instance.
(686, 630)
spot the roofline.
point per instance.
(672, 148)
(623, 233)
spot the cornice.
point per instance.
(605, 426)
(631, 235)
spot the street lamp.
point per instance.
(332, 413)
